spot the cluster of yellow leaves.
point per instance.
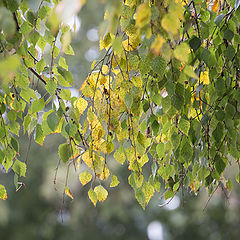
(204, 78)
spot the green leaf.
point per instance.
(19, 168)
(195, 43)
(62, 63)
(64, 152)
(159, 65)
(51, 86)
(187, 152)
(37, 105)
(169, 194)
(188, 70)
(219, 164)
(52, 121)
(184, 126)
(128, 100)
(40, 65)
(119, 155)
(160, 150)
(140, 198)
(65, 74)
(15, 144)
(69, 50)
(219, 19)
(181, 52)
(39, 135)
(218, 132)
(2, 156)
(238, 178)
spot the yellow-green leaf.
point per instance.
(3, 192)
(81, 104)
(119, 155)
(85, 177)
(170, 23)
(68, 192)
(181, 52)
(101, 193)
(143, 15)
(148, 191)
(92, 196)
(114, 181)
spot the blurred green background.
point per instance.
(34, 212)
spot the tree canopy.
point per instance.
(162, 100)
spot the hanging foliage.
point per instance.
(164, 94)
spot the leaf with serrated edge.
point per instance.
(85, 177)
(92, 196)
(101, 193)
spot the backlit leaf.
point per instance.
(101, 193)
(181, 52)
(19, 168)
(85, 177)
(68, 192)
(81, 104)
(184, 126)
(114, 181)
(92, 196)
(64, 152)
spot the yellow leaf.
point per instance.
(114, 181)
(170, 23)
(93, 64)
(101, 193)
(86, 158)
(130, 3)
(85, 177)
(105, 173)
(143, 15)
(92, 196)
(204, 78)
(106, 42)
(105, 69)
(148, 191)
(182, 2)
(68, 192)
(157, 45)
(127, 46)
(81, 104)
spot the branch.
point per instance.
(37, 75)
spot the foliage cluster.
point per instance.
(164, 95)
